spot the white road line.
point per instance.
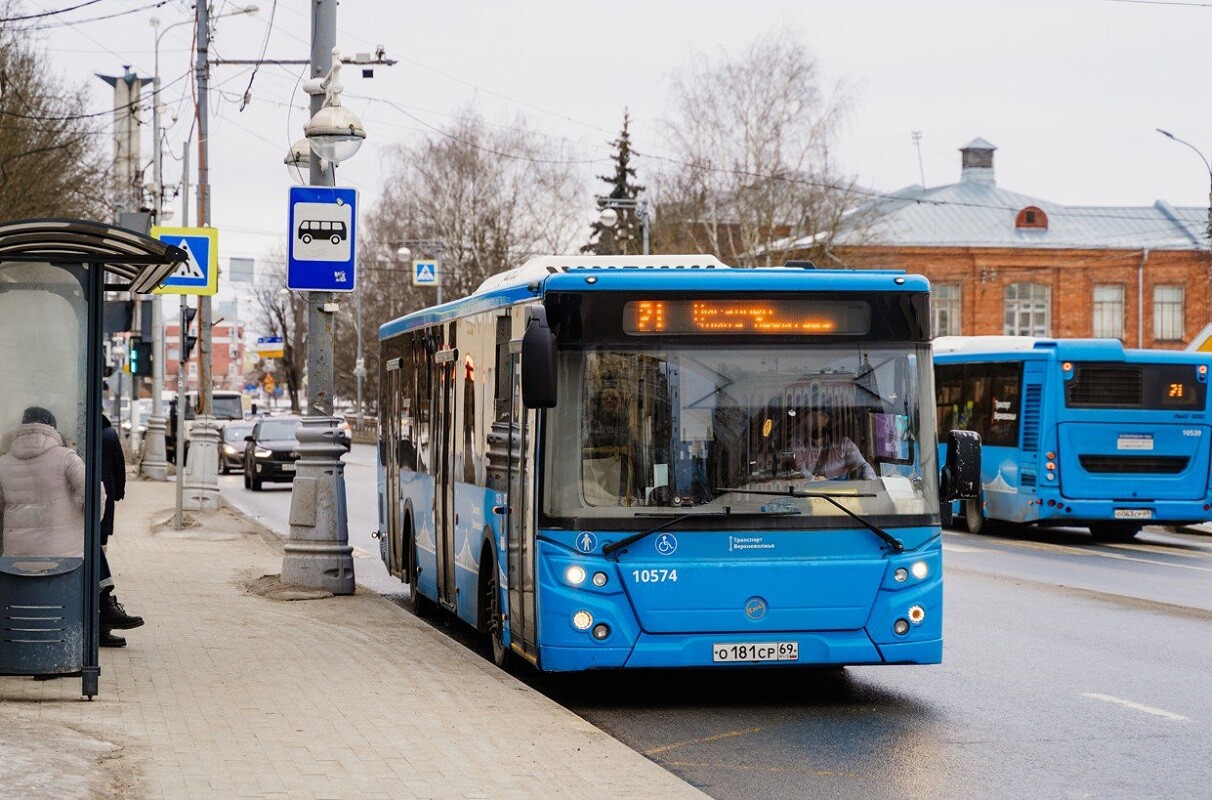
(1157, 712)
(962, 548)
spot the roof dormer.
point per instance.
(1031, 217)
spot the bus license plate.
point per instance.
(1133, 513)
(755, 651)
(288, 467)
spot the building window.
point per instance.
(945, 309)
(1168, 313)
(1031, 217)
(1028, 308)
(1109, 312)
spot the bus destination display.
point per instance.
(778, 317)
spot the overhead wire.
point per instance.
(43, 14)
(269, 29)
(74, 22)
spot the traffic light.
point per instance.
(139, 358)
(187, 341)
(187, 346)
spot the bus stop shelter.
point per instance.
(54, 274)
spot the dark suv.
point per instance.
(269, 452)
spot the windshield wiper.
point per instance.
(896, 544)
(635, 537)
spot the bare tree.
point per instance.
(50, 164)
(749, 172)
(493, 195)
(282, 313)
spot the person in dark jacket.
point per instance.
(113, 477)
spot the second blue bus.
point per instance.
(1080, 432)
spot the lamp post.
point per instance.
(610, 215)
(318, 554)
(1207, 166)
(433, 247)
(155, 457)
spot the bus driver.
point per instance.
(826, 455)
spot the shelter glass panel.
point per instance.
(43, 353)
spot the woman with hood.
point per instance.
(41, 490)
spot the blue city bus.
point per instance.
(605, 462)
(1080, 432)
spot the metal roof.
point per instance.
(975, 212)
(139, 261)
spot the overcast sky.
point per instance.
(1070, 91)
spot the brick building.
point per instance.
(1001, 262)
(227, 356)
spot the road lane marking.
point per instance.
(760, 768)
(704, 740)
(1157, 712)
(962, 548)
(1052, 547)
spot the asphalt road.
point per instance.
(1071, 669)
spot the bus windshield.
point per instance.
(743, 429)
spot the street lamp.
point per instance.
(1207, 166)
(334, 132)
(434, 247)
(610, 216)
(155, 459)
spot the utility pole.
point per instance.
(318, 554)
(202, 484)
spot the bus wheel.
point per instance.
(1109, 532)
(306, 238)
(494, 626)
(419, 604)
(334, 239)
(974, 516)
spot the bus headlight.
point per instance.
(920, 569)
(582, 620)
(917, 614)
(601, 631)
(575, 575)
(599, 579)
(900, 627)
(901, 575)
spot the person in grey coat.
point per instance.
(41, 490)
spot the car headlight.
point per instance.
(229, 450)
(261, 452)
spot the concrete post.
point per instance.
(318, 554)
(202, 465)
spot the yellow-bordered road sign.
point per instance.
(200, 273)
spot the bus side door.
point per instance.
(389, 451)
(445, 362)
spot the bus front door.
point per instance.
(520, 525)
(445, 361)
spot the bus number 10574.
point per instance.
(654, 575)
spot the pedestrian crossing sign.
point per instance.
(425, 273)
(198, 274)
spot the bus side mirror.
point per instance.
(962, 471)
(538, 361)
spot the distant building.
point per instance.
(1001, 262)
(227, 356)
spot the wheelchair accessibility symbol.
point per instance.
(666, 544)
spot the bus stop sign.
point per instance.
(323, 239)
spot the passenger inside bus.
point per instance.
(607, 443)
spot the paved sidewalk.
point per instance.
(225, 693)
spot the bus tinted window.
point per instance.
(1148, 386)
(980, 397)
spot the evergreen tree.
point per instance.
(625, 237)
